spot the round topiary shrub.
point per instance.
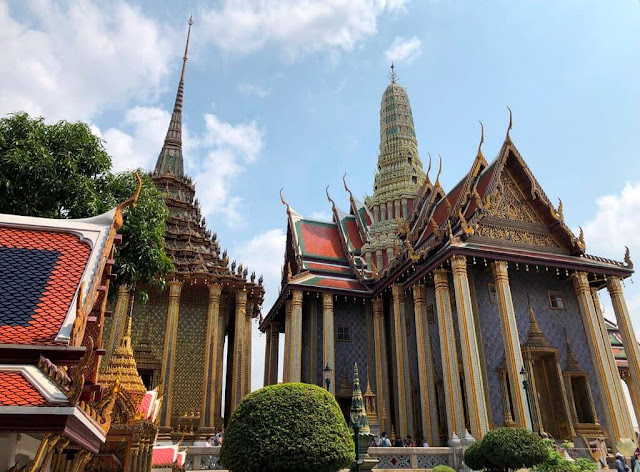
(287, 427)
(507, 449)
(442, 468)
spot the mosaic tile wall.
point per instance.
(553, 323)
(192, 323)
(413, 360)
(351, 314)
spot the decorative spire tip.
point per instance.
(393, 76)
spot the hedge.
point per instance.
(287, 427)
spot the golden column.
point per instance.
(267, 356)
(295, 358)
(119, 317)
(630, 344)
(450, 373)
(511, 341)
(608, 382)
(382, 369)
(248, 335)
(286, 370)
(208, 407)
(169, 354)
(426, 374)
(223, 320)
(273, 355)
(476, 402)
(238, 365)
(328, 339)
(404, 412)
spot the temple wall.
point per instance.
(553, 323)
(351, 314)
(413, 359)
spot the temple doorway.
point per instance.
(548, 392)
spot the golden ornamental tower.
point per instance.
(398, 177)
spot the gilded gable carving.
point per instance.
(512, 220)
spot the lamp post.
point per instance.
(525, 385)
(327, 376)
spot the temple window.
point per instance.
(556, 300)
(414, 179)
(343, 334)
(493, 294)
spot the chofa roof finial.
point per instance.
(481, 138)
(439, 172)
(284, 202)
(333, 204)
(510, 124)
(429, 169)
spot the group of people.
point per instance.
(621, 463)
(384, 441)
(217, 439)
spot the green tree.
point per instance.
(506, 450)
(287, 427)
(62, 170)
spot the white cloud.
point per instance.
(321, 216)
(295, 26)
(614, 226)
(248, 89)
(230, 149)
(263, 253)
(76, 57)
(403, 50)
(148, 126)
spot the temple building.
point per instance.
(466, 309)
(179, 335)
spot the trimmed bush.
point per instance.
(556, 463)
(442, 468)
(287, 427)
(507, 449)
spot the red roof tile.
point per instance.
(15, 390)
(353, 233)
(163, 455)
(40, 273)
(320, 240)
(327, 267)
(334, 283)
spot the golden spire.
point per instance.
(393, 76)
(122, 367)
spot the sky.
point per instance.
(286, 93)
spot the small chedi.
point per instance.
(466, 309)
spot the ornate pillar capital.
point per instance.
(327, 301)
(581, 282)
(241, 298)
(441, 278)
(500, 270)
(458, 263)
(614, 285)
(296, 297)
(419, 293)
(397, 292)
(215, 289)
(175, 287)
(378, 306)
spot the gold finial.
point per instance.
(481, 138)
(344, 181)
(510, 124)
(581, 243)
(333, 204)
(429, 168)
(284, 202)
(437, 184)
(186, 48)
(627, 258)
(393, 76)
(130, 202)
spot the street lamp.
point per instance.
(525, 385)
(327, 376)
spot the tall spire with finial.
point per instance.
(393, 76)
(170, 158)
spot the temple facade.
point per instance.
(179, 335)
(465, 310)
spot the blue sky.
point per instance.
(286, 93)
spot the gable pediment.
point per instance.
(513, 220)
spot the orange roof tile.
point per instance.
(15, 390)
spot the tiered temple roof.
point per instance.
(497, 208)
(193, 249)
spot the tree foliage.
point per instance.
(62, 170)
(287, 427)
(507, 449)
(556, 463)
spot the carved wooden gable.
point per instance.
(513, 221)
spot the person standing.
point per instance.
(384, 440)
(621, 464)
